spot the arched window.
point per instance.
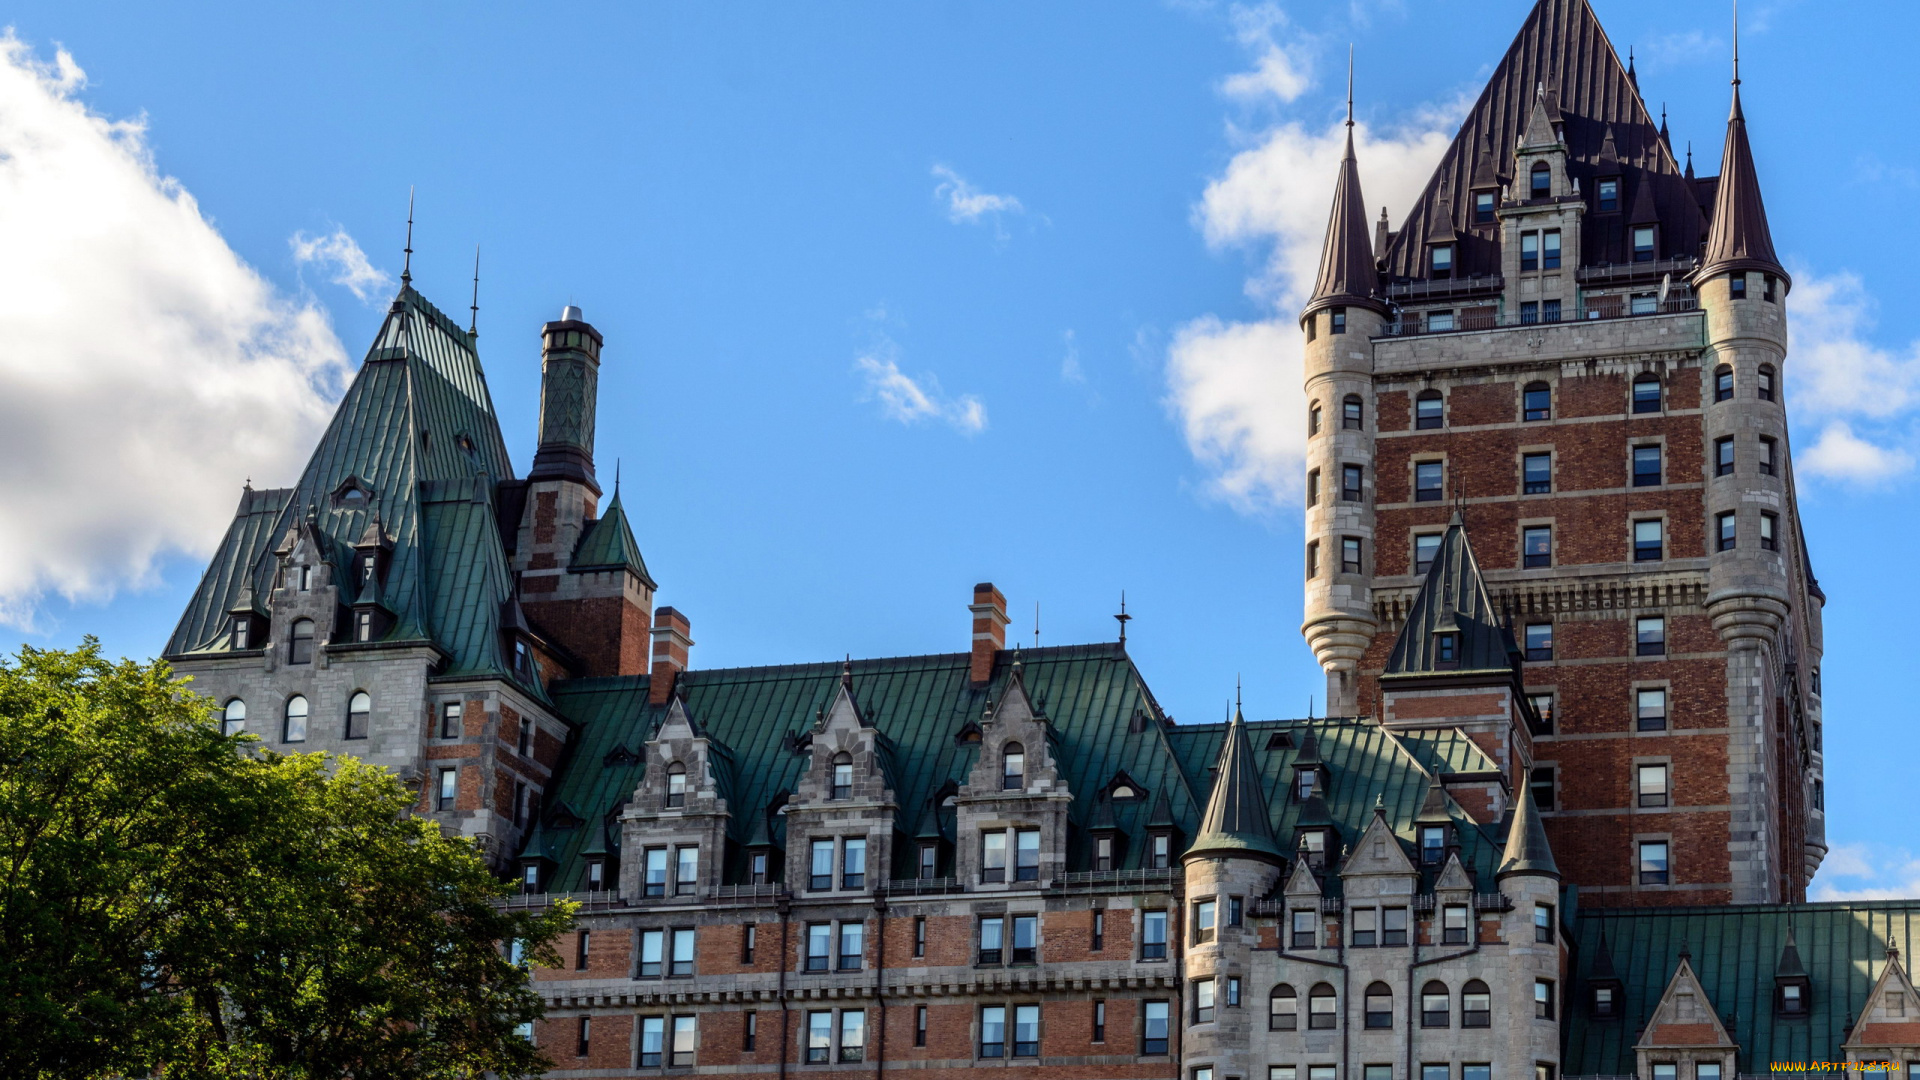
(1429, 410)
(1013, 767)
(1538, 402)
(1283, 1009)
(1435, 1005)
(359, 714)
(1313, 418)
(296, 726)
(234, 720)
(676, 784)
(1646, 393)
(1379, 1005)
(1323, 1008)
(1476, 1005)
(1542, 181)
(300, 644)
(1723, 383)
(1765, 389)
(843, 776)
(1351, 417)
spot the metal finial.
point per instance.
(616, 478)
(1123, 618)
(1236, 694)
(1036, 624)
(1349, 84)
(1736, 42)
(473, 321)
(406, 268)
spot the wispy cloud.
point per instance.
(337, 255)
(1867, 872)
(967, 204)
(1279, 71)
(145, 369)
(910, 400)
(1863, 395)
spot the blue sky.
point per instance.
(897, 298)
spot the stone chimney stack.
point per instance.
(569, 390)
(989, 630)
(671, 642)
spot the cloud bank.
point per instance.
(145, 370)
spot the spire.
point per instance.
(1632, 75)
(1433, 808)
(608, 544)
(1347, 274)
(1527, 849)
(1739, 238)
(1666, 137)
(406, 268)
(1790, 966)
(1602, 969)
(1123, 618)
(473, 320)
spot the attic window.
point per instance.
(1441, 261)
(842, 777)
(353, 495)
(1482, 207)
(1792, 1000)
(1433, 844)
(1609, 195)
(1541, 181)
(1446, 650)
(1643, 247)
(1280, 740)
(300, 644)
(1013, 767)
(676, 785)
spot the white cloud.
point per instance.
(145, 370)
(968, 205)
(337, 254)
(1842, 455)
(1870, 872)
(909, 400)
(1836, 371)
(1278, 71)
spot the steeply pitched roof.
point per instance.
(1527, 850)
(609, 545)
(1842, 944)
(1347, 275)
(1562, 51)
(1739, 238)
(1453, 600)
(1236, 820)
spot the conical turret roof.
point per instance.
(609, 545)
(1739, 238)
(1527, 849)
(1235, 821)
(1347, 274)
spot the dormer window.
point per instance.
(1541, 181)
(1440, 261)
(1446, 650)
(1609, 192)
(300, 642)
(1483, 208)
(1643, 246)
(1433, 844)
(842, 777)
(1122, 792)
(1160, 853)
(303, 577)
(363, 626)
(242, 631)
(1306, 782)
(1791, 999)
(1313, 848)
(676, 785)
(522, 659)
(1013, 768)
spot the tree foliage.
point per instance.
(171, 898)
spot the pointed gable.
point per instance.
(1378, 853)
(1347, 276)
(1739, 238)
(1685, 1017)
(1235, 822)
(1527, 849)
(1891, 1017)
(1562, 67)
(1454, 601)
(608, 544)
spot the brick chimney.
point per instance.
(670, 645)
(989, 630)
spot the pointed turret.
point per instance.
(1235, 821)
(608, 544)
(1347, 274)
(1739, 238)
(1527, 849)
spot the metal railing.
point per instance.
(1656, 268)
(1420, 290)
(923, 886)
(1420, 324)
(588, 901)
(765, 892)
(1142, 878)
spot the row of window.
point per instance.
(295, 715)
(1436, 1006)
(1388, 926)
(1536, 544)
(1649, 638)
(1652, 785)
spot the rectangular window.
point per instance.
(519, 802)
(1650, 636)
(449, 788)
(1425, 547)
(993, 1031)
(1769, 531)
(819, 946)
(1283, 1072)
(1103, 853)
(1536, 473)
(1162, 854)
(1305, 930)
(1643, 249)
(1539, 641)
(1481, 1071)
(1099, 1021)
(653, 951)
(993, 856)
(993, 939)
(682, 954)
(1203, 1001)
(749, 934)
(1653, 862)
(1645, 303)
(1530, 251)
(1313, 487)
(1439, 321)
(1543, 923)
(1648, 541)
(1026, 1031)
(1026, 939)
(853, 866)
(1453, 925)
(1153, 935)
(1541, 782)
(1609, 196)
(1337, 320)
(820, 871)
(596, 875)
(582, 944)
(1099, 931)
(1476, 1007)
(686, 870)
(1441, 1071)
(1026, 866)
(683, 1041)
(919, 1025)
(1350, 555)
(1529, 312)
(1646, 466)
(1543, 708)
(1550, 311)
(1322, 1072)
(1350, 482)
(929, 861)
(1442, 261)
(1233, 991)
(450, 720)
(1203, 917)
(757, 868)
(653, 1041)
(1723, 383)
(1603, 1001)
(749, 1030)
(585, 1036)
(1313, 559)
(1378, 1012)
(1765, 387)
(852, 945)
(1536, 545)
(1482, 207)
(1650, 708)
(1723, 456)
(919, 935)
(1542, 999)
(1427, 481)
(1365, 924)
(1766, 456)
(1393, 926)
(1653, 785)
(1236, 909)
(1153, 1027)
(1726, 530)
(1550, 250)
(819, 1037)
(1737, 286)
(1706, 1070)
(853, 1036)
(1351, 414)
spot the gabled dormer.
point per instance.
(674, 831)
(842, 815)
(1378, 865)
(1316, 840)
(1309, 770)
(247, 622)
(1304, 929)
(1433, 830)
(306, 594)
(1685, 1030)
(1011, 814)
(1606, 993)
(1540, 161)
(1792, 988)
(1888, 1027)
(1163, 835)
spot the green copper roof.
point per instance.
(1236, 820)
(1453, 601)
(609, 545)
(1735, 949)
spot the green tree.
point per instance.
(177, 899)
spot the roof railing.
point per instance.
(764, 892)
(1423, 323)
(1423, 289)
(1492, 901)
(1679, 268)
(923, 886)
(1143, 878)
(588, 901)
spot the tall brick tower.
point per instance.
(1578, 347)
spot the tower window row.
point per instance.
(296, 714)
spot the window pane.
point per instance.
(1650, 636)
(1537, 473)
(993, 1031)
(1425, 547)
(1538, 546)
(856, 864)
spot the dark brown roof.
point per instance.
(1562, 51)
(1740, 239)
(1347, 274)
